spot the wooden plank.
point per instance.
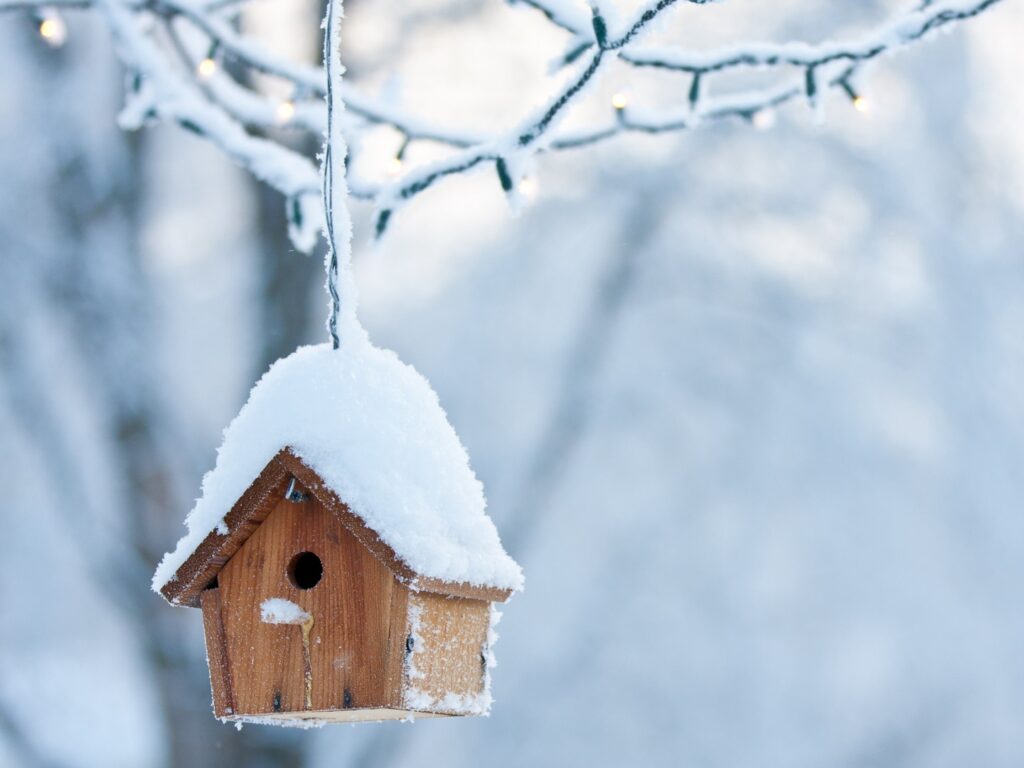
(242, 520)
(398, 630)
(217, 653)
(249, 512)
(447, 656)
(352, 608)
(460, 589)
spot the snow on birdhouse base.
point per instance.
(319, 719)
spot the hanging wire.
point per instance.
(328, 174)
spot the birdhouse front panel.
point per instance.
(306, 613)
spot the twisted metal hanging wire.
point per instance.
(328, 173)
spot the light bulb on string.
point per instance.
(858, 101)
(206, 68)
(619, 102)
(527, 187)
(52, 28)
(285, 111)
(397, 162)
(763, 119)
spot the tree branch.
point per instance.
(896, 33)
(166, 86)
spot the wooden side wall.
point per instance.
(217, 653)
(449, 638)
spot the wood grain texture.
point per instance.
(217, 654)
(352, 606)
(448, 654)
(242, 520)
(398, 631)
(249, 512)
(312, 482)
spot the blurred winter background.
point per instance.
(749, 405)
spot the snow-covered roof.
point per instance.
(372, 428)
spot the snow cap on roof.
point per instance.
(374, 431)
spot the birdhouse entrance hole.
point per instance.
(305, 570)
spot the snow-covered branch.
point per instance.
(174, 50)
(895, 33)
(160, 90)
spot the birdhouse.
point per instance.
(352, 575)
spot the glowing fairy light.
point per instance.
(285, 111)
(53, 29)
(207, 68)
(763, 119)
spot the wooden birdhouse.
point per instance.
(331, 587)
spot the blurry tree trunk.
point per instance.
(593, 342)
(72, 249)
(72, 267)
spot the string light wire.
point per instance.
(224, 110)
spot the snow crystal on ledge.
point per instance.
(373, 429)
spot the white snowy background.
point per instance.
(748, 405)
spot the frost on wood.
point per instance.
(277, 610)
(372, 428)
(304, 724)
(440, 639)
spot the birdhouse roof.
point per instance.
(366, 435)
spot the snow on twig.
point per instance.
(242, 121)
(895, 33)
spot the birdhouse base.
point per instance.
(369, 715)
